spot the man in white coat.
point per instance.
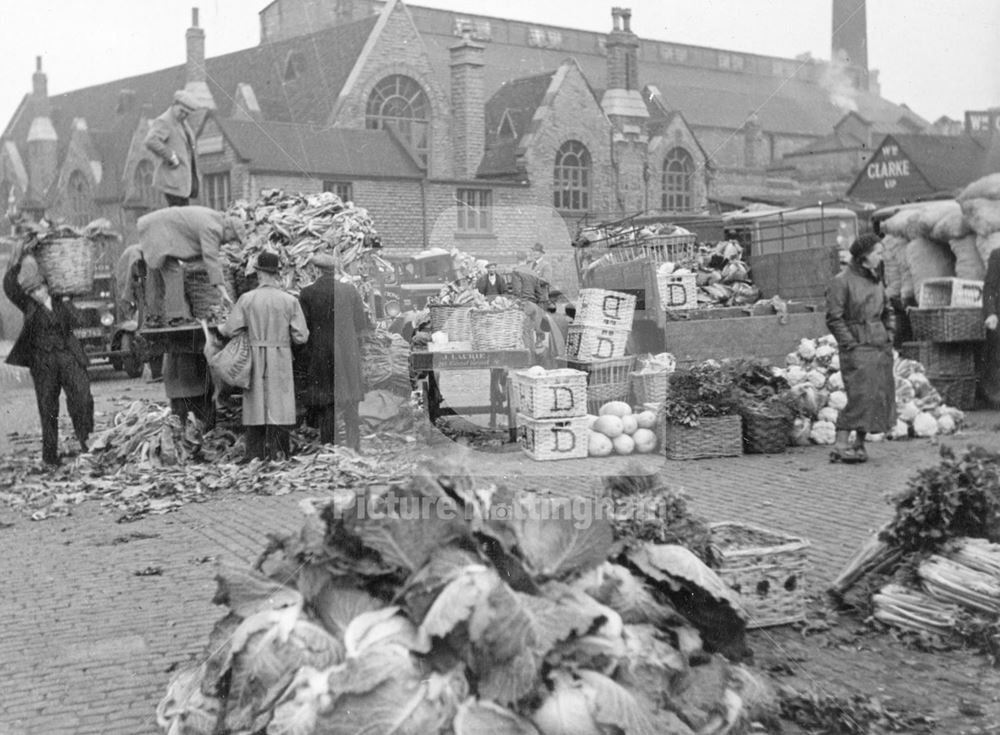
(273, 320)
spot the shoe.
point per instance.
(861, 452)
(847, 455)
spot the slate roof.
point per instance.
(519, 99)
(946, 161)
(314, 151)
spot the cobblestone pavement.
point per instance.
(96, 614)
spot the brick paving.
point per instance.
(88, 643)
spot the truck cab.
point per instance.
(409, 280)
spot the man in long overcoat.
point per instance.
(336, 317)
(273, 321)
(169, 236)
(47, 347)
(172, 141)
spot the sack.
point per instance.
(983, 215)
(951, 226)
(986, 244)
(928, 259)
(231, 364)
(968, 264)
(899, 224)
(895, 254)
(932, 213)
(987, 187)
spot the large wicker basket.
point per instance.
(956, 390)
(598, 307)
(595, 343)
(650, 387)
(715, 436)
(202, 296)
(67, 263)
(942, 358)
(452, 320)
(547, 439)
(607, 380)
(551, 394)
(767, 569)
(950, 324)
(497, 329)
(765, 433)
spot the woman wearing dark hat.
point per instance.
(47, 347)
(273, 321)
(861, 319)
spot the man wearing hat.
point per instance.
(273, 321)
(169, 236)
(491, 283)
(47, 347)
(539, 265)
(172, 141)
(336, 317)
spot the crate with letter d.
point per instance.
(550, 394)
(546, 439)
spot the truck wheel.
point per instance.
(130, 361)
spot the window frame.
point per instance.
(79, 199)
(401, 94)
(678, 185)
(571, 182)
(474, 211)
(208, 194)
(336, 186)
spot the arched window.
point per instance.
(400, 102)
(571, 177)
(79, 200)
(678, 181)
(142, 182)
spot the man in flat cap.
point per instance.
(336, 317)
(491, 283)
(172, 142)
(169, 236)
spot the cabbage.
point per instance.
(792, 358)
(957, 415)
(900, 431)
(800, 431)
(591, 704)
(735, 271)
(825, 353)
(185, 709)
(808, 397)
(904, 391)
(835, 381)
(828, 413)
(834, 363)
(807, 349)
(838, 399)
(906, 368)
(795, 375)
(827, 339)
(946, 424)
(908, 412)
(665, 269)
(925, 425)
(921, 385)
(823, 432)
(817, 378)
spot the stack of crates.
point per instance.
(551, 413)
(596, 344)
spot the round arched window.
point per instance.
(400, 102)
(678, 181)
(571, 177)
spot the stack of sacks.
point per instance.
(925, 258)
(813, 372)
(899, 279)
(980, 202)
(949, 225)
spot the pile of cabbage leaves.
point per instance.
(443, 605)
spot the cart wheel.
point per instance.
(131, 363)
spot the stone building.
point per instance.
(452, 129)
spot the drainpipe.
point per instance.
(423, 212)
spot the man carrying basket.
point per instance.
(47, 347)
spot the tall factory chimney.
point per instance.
(849, 43)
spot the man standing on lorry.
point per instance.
(538, 265)
(172, 141)
(169, 236)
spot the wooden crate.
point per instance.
(938, 292)
(548, 439)
(766, 568)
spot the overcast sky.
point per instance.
(939, 57)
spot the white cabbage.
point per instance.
(835, 381)
(908, 412)
(925, 425)
(800, 431)
(828, 413)
(792, 358)
(823, 432)
(817, 378)
(900, 431)
(838, 399)
(946, 424)
(807, 348)
(795, 375)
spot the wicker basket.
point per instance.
(677, 292)
(595, 343)
(202, 296)
(942, 358)
(650, 387)
(455, 321)
(552, 394)
(605, 309)
(546, 439)
(956, 390)
(497, 329)
(607, 380)
(937, 292)
(767, 569)
(960, 324)
(765, 433)
(67, 263)
(716, 436)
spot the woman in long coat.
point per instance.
(273, 320)
(861, 319)
(336, 317)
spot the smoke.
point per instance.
(839, 84)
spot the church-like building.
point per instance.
(457, 129)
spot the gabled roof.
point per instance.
(315, 151)
(835, 142)
(517, 100)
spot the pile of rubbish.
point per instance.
(462, 618)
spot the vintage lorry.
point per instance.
(792, 254)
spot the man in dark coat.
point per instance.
(989, 378)
(47, 347)
(336, 317)
(491, 283)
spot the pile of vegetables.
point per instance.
(813, 374)
(385, 361)
(297, 227)
(473, 615)
(704, 390)
(616, 429)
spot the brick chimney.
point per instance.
(849, 41)
(622, 101)
(468, 105)
(195, 75)
(43, 143)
